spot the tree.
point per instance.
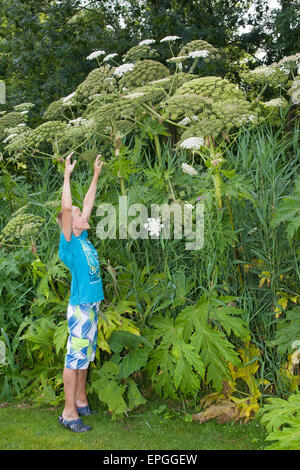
(46, 45)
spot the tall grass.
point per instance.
(270, 158)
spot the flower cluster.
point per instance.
(21, 226)
(187, 120)
(145, 94)
(153, 225)
(109, 56)
(215, 88)
(179, 106)
(68, 98)
(195, 54)
(11, 120)
(276, 102)
(46, 133)
(77, 122)
(96, 82)
(289, 62)
(146, 42)
(57, 109)
(197, 46)
(140, 52)
(186, 168)
(23, 106)
(142, 73)
(95, 54)
(110, 112)
(170, 38)
(193, 143)
(294, 91)
(122, 69)
(17, 143)
(72, 136)
(265, 75)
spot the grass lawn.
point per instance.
(27, 427)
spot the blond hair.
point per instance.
(59, 216)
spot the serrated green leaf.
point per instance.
(135, 398)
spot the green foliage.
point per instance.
(282, 421)
(288, 212)
(112, 382)
(156, 319)
(194, 346)
(137, 356)
(287, 330)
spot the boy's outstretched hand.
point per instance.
(69, 167)
(98, 165)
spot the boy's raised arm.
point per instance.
(89, 199)
(66, 200)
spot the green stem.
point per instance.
(217, 183)
(171, 188)
(157, 146)
(194, 65)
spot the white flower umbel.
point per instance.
(275, 102)
(195, 54)
(169, 38)
(22, 124)
(187, 120)
(78, 121)
(192, 143)
(109, 56)
(296, 97)
(69, 97)
(186, 168)
(119, 71)
(95, 54)
(146, 42)
(11, 136)
(153, 226)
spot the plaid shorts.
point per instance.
(82, 340)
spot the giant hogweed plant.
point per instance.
(113, 110)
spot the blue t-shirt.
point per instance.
(81, 257)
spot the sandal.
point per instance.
(75, 425)
(85, 410)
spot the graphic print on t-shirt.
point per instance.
(92, 259)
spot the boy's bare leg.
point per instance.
(80, 393)
(70, 383)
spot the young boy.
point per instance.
(80, 256)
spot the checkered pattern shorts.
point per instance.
(82, 340)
